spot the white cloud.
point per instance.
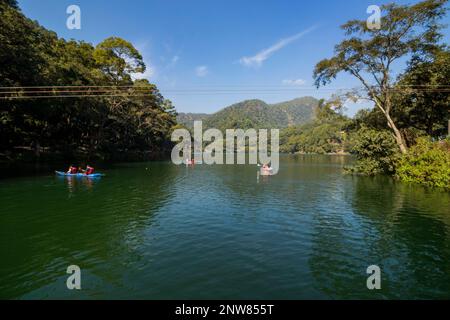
(294, 82)
(260, 57)
(201, 71)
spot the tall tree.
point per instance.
(422, 99)
(119, 59)
(368, 54)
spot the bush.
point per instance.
(427, 162)
(376, 151)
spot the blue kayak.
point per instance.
(65, 174)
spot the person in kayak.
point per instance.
(89, 170)
(266, 168)
(72, 169)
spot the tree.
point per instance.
(368, 54)
(11, 3)
(422, 97)
(376, 151)
(118, 59)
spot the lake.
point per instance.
(159, 231)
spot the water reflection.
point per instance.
(99, 227)
(162, 231)
(404, 229)
(412, 224)
(74, 183)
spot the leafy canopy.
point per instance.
(119, 59)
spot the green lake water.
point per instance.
(159, 231)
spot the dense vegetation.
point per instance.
(108, 115)
(376, 151)
(326, 134)
(403, 134)
(187, 119)
(427, 163)
(257, 114)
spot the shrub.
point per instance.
(427, 162)
(376, 151)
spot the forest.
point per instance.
(66, 99)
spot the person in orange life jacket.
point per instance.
(72, 169)
(89, 170)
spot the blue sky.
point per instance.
(194, 50)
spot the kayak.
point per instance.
(65, 174)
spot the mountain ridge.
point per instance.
(256, 113)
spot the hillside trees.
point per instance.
(326, 134)
(107, 114)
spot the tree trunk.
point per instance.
(397, 134)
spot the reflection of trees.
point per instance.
(87, 224)
(421, 241)
(333, 263)
(337, 246)
(402, 228)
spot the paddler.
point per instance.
(89, 170)
(72, 169)
(266, 168)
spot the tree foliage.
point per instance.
(426, 163)
(422, 101)
(258, 114)
(368, 54)
(136, 120)
(376, 152)
(326, 134)
(118, 59)
(11, 3)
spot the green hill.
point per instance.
(187, 119)
(257, 114)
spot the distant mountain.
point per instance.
(187, 119)
(256, 114)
